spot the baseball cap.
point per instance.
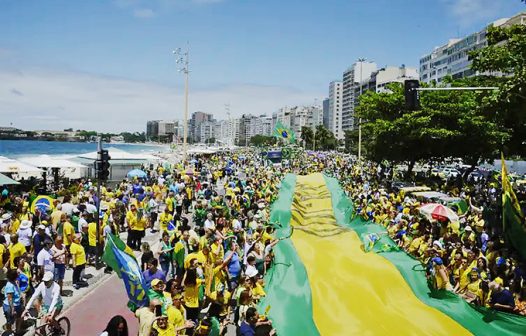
(41, 227)
(155, 282)
(47, 276)
(437, 261)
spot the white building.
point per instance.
(335, 109)
(452, 58)
(355, 74)
(206, 131)
(297, 117)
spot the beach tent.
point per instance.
(4, 180)
(14, 166)
(46, 161)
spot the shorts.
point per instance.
(58, 307)
(10, 317)
(60, 270)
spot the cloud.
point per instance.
(468, 12)
(143, 13)
(16, 92)
(58, 100)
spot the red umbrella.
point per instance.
(438, 212)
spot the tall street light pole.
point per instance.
(182, 59)
(361, 60)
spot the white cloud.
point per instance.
(143, 13)
(469, 12)
(58, 100)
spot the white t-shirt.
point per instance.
(25, 235)
(209, 224)
(67, 208)
(50, 296)
(81, 222)
(44, 259)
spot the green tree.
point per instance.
(506, 54)
(448, 124)
(262, 140)
(307, 136)
(325, 139)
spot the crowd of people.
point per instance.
(205, 241)
(469, 256)
(204, 272)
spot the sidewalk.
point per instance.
(95, 278)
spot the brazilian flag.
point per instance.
(282, 132)
(512, 217)
(337, 275)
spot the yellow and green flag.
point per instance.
(512, 217)
(324, 282)
(282, 132)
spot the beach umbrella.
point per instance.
(43, 203)
(136, 173)
(438, 212)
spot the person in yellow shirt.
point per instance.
(92, 240)
(176, 315)
(164, 219)
(17, 249)
(136, 226)
(191, 293)
(162, 327)
(79, 262)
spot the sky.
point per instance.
(108, 65)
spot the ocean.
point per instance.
(26, 148)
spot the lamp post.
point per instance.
(182, 60)
(361, 60)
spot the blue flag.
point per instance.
(117, 256)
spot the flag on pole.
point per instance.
(512, 217)
(120, 258)
(282, 132)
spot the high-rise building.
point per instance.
(297, 117)
(356, 73)
(334, 117)
(325, 107)
(195, 124)
(452, 58)
(152, 130)
(162, 130)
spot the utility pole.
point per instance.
(183, 61)
(361, 60)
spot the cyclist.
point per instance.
(46, 299)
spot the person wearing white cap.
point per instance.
(46, 298)
(25, 234)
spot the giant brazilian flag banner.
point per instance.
(512, 217)
(323, 282)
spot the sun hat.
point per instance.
(25, 224)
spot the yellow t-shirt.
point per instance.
(191, 294)
(2, 251)
(16, 250)
(164, 220)
(169, 331)
(175, 316)
(68, 230)
(92, 234)
(78, 253)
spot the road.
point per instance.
(90, 315)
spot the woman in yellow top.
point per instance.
(79, 261)
(191, 294)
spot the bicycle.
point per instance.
(61, 327)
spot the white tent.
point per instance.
(46, 161)
(14, 166)
(68, 168)
(118, 154)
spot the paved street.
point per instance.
(90, 315)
